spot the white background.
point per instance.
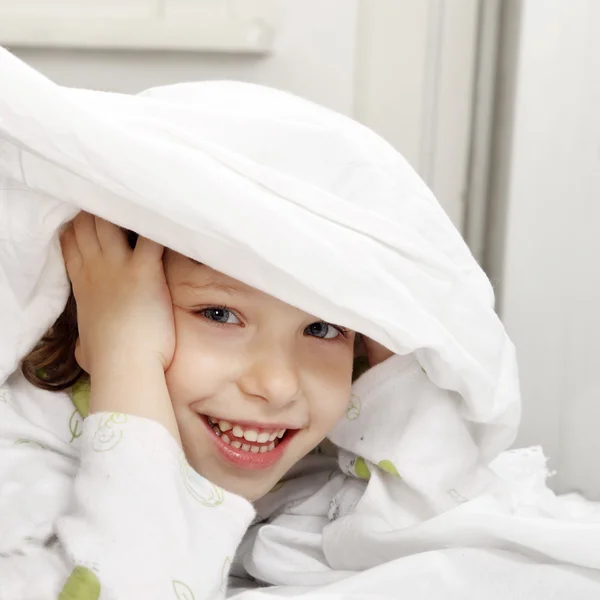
(546, 230)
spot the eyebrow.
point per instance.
(211, 284)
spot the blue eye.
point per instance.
(322, 330)
(220, 315)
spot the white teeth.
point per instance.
(251, 435)
(246, 447)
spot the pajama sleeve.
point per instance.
(136, 521)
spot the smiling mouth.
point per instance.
(247, 446)
(247, 439)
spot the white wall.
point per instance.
(549, 273)
(313, 57)
(415, 73)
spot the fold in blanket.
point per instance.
(316, 210)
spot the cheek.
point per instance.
(201, 365)
(328, 382)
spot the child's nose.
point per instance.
(273, 375)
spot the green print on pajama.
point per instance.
(109, 432)
(225, 574)
(362, 471)
(360, 468)
(31, 443)
(182, 591)
(354, 408)
(388, 467)
(200, 489)
(81, 585)
(75, 425)
(80, 396)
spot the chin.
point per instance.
(215, 453)
(251, 491)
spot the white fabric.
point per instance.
(318, 211)
(112, 493)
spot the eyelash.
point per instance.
(343, 330)
(200, 311)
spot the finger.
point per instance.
(85, 233)
(70, 251)
(376, 353)
(148, 251)
(112, 239)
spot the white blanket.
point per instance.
(318, 211)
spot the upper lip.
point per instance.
(252, 424)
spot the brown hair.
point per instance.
(51, 365)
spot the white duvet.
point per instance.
(318, 211)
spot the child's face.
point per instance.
(254, 365)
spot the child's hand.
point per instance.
(124, 307)
(125, 318)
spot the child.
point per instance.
(246, 384)
(216, 365)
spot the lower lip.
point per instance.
(249, 460)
